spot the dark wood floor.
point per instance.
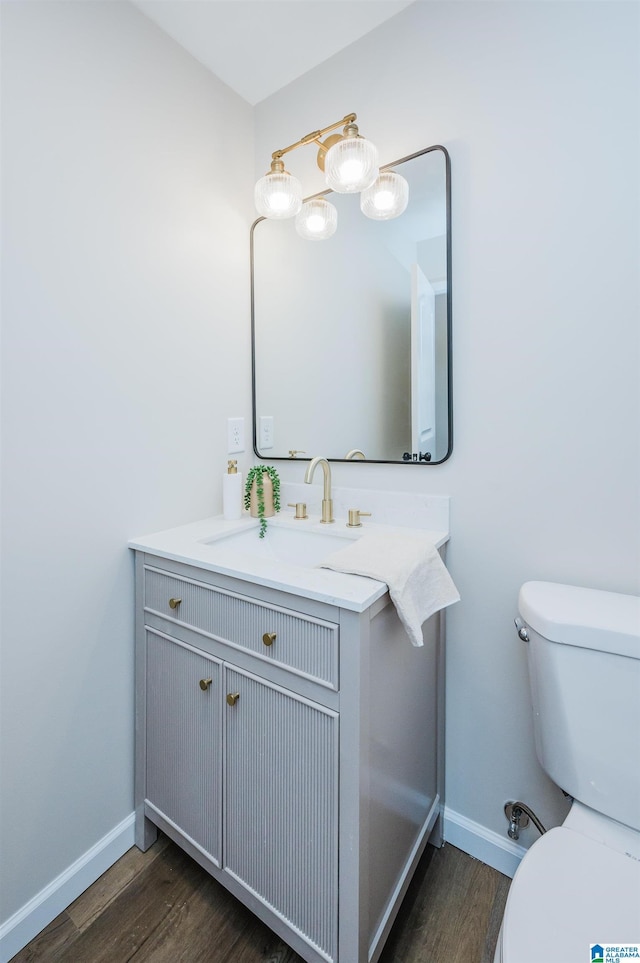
(161, 907)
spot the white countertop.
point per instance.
(198, 544)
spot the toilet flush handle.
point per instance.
(522, 629)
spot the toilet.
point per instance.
(577, 890)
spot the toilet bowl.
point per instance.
(579, 884)
(570, 892)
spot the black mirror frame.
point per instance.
(409, 458)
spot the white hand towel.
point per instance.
(418, 581)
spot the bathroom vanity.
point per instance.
(288, 735)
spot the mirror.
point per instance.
(351, 336)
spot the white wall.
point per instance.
(125, 347)
(537, 104)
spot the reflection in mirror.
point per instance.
(352, 335)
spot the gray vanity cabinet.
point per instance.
(183, 738)
(281, 804)
(291, 747)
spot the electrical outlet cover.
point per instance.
(235, 435)
(266, 432)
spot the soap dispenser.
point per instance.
(232, 492)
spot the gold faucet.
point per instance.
(327, 503)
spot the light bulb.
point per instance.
(351, 165)
(387, 197)
(278, 195)
(317, 220)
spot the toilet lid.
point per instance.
(569, 893)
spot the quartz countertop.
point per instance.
(200, 544)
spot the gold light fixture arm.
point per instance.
(350, 164)
(314, 137)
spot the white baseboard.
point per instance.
(497, 851)
(28, 921)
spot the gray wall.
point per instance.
(125, 347)
(537, 104)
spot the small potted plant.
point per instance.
(262, 494)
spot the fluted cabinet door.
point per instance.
(184, 750)
(281, 804)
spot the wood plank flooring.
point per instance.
(161, 907)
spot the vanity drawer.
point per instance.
(298, 642)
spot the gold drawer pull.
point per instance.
(269, 638)
(205, 683)
(174, 603)
(232, 697)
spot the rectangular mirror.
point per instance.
(351, 336)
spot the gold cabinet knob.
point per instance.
(269, 638)
(174, 603)
(205, 683)
(232, 698)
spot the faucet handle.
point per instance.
(300, 507)
(296, 451)
(354, 518)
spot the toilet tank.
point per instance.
(584, 670)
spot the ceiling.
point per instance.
(258, 46)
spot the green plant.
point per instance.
(257, 474)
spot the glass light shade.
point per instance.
(317, 220)
(278, 195)
(387, 197)
(351, 165)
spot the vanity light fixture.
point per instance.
(278, 194)
(350, 165)
(351, 162)
(387, 197)
(317, 219)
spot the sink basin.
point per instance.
(292, 546)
